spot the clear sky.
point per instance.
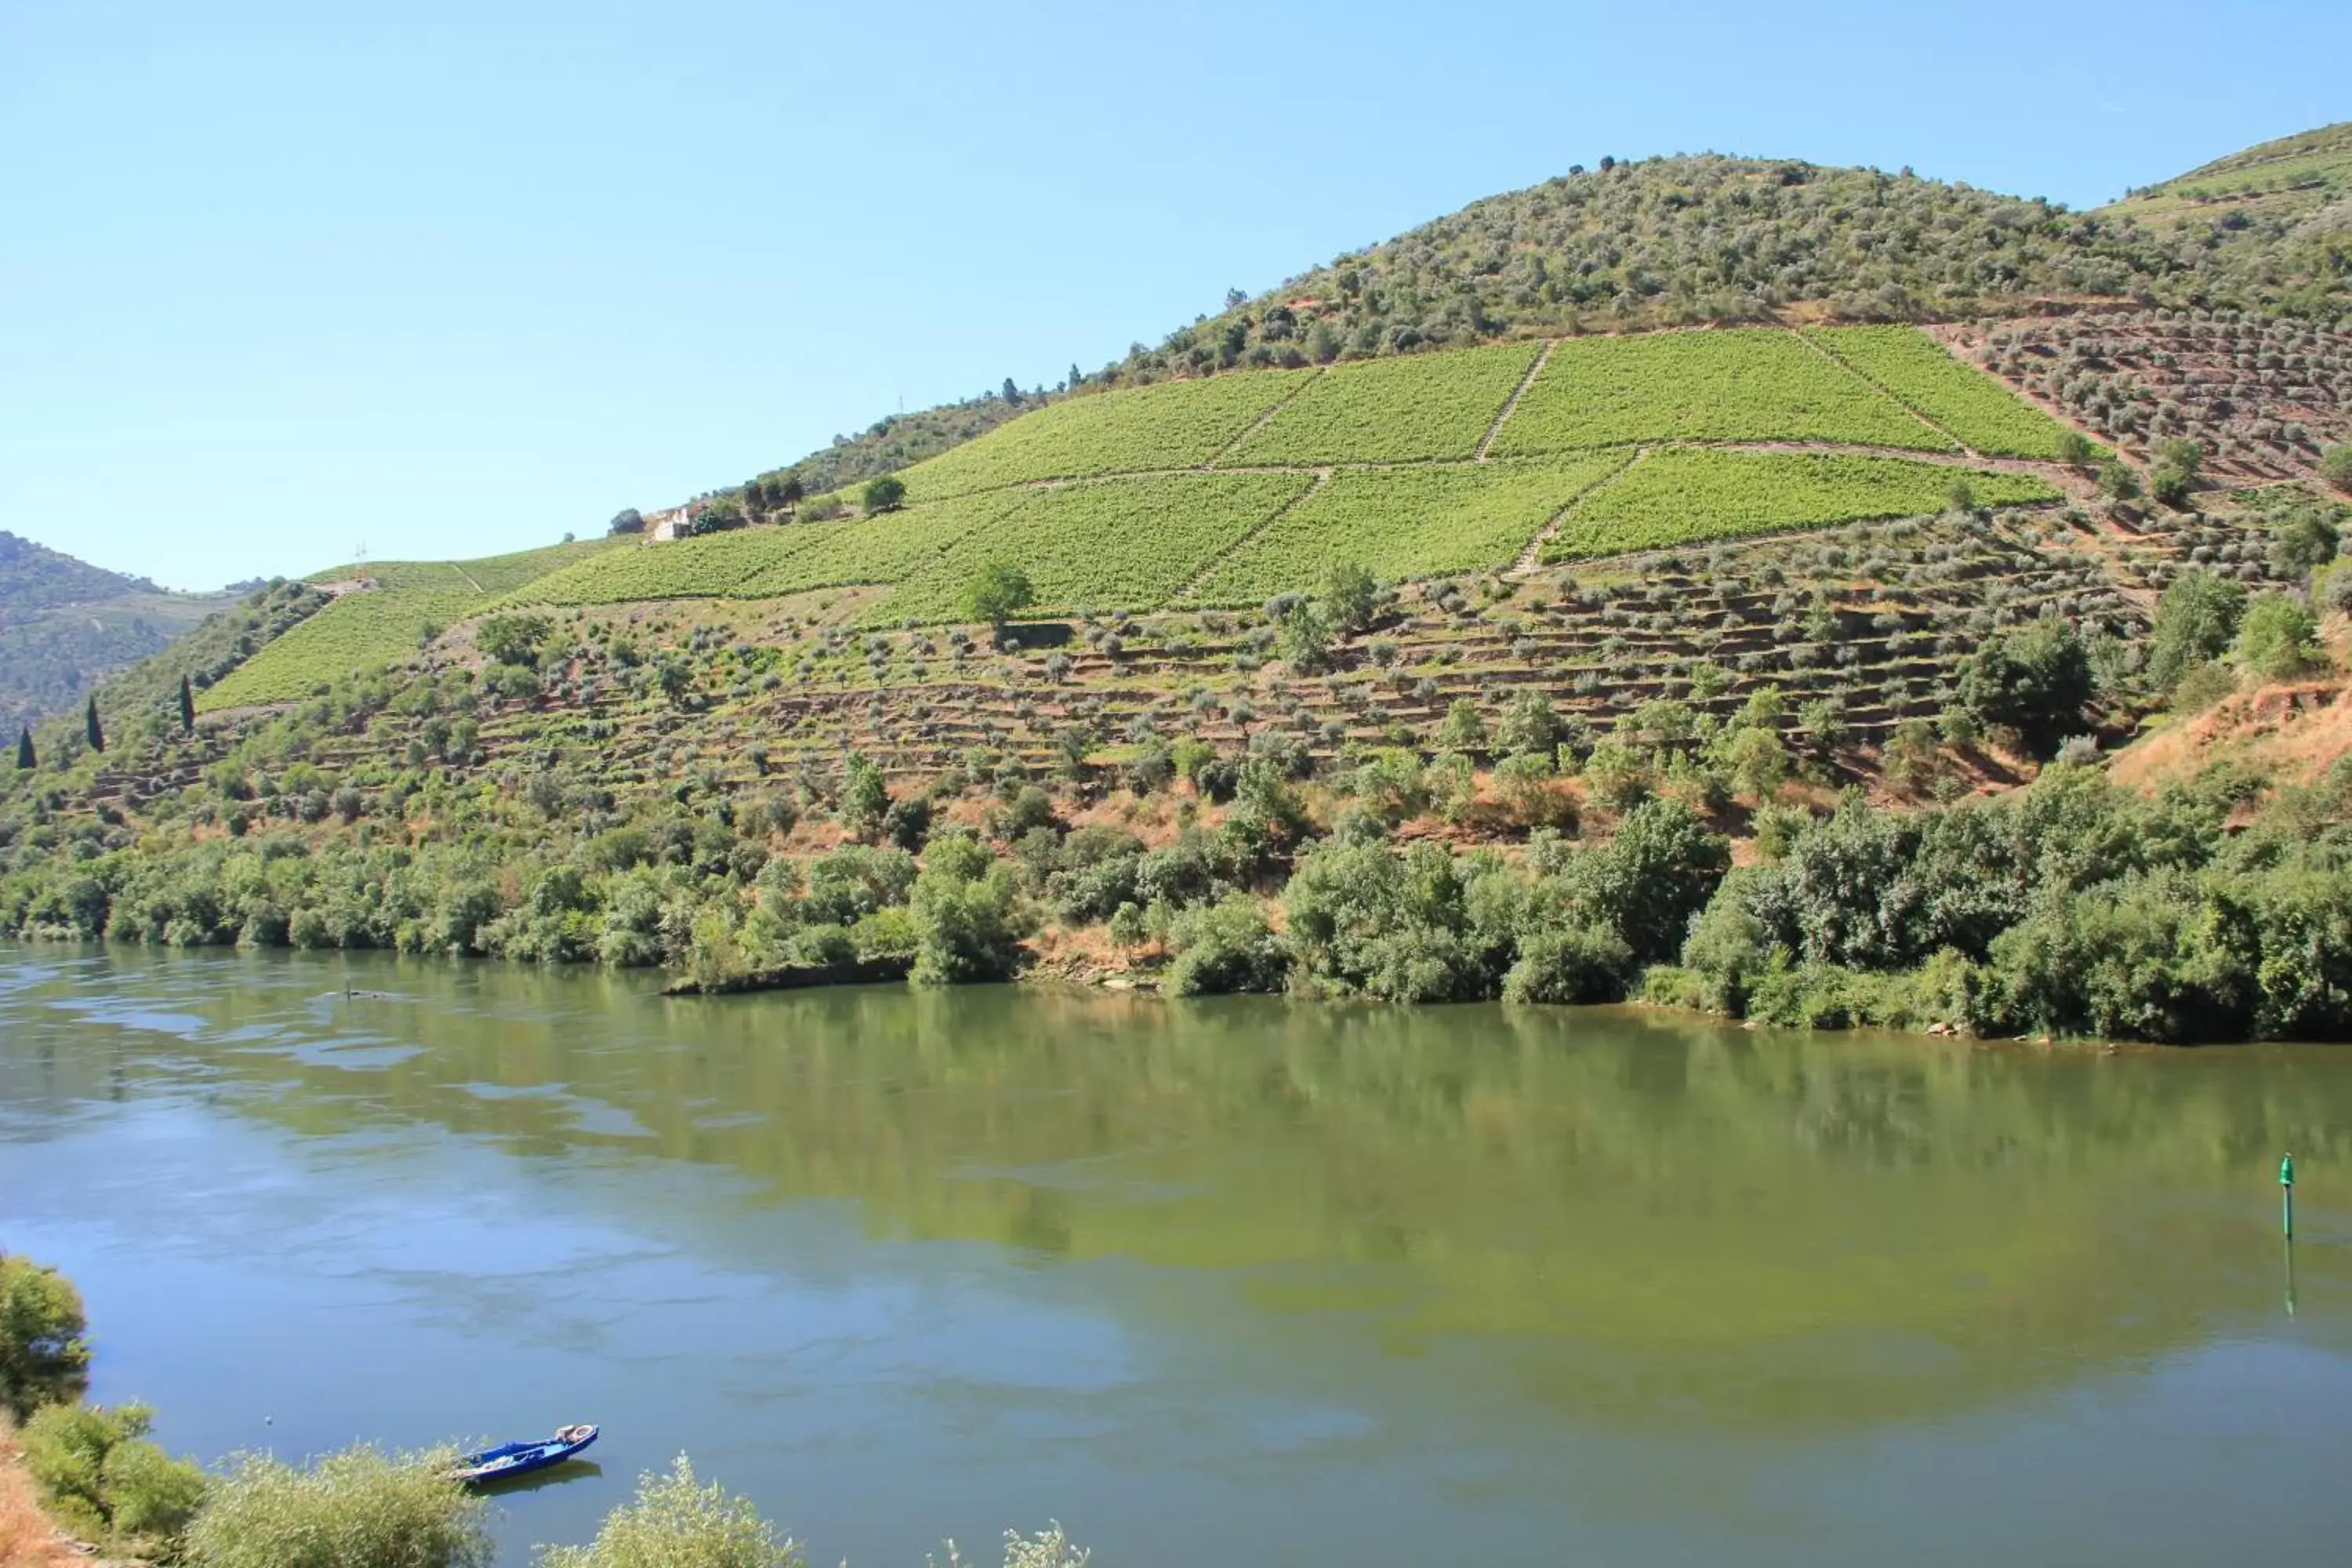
(453, 278)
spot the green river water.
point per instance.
(1238, 1282)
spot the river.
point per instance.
(1240, 1281)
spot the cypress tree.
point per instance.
(96, 736)
(188, 708)
(24, 758)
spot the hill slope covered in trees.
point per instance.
(64, 625)
(1475, 645)
(1697, 239)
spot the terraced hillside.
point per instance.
(382, 614)
(2291, 178)
(1228, 490)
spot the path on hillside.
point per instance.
(1882, 390)
(1532, 556)
(1209, 568)
(1511, 404)
(1263, 420)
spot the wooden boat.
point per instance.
(522, 1458)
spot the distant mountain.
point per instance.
(65, 625)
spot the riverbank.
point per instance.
(28, 1537)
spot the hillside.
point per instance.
(1574, 609)
(1229, 490)
(1698, 239)
(2292, 178)
(65, 625)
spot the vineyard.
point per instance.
(358, 631)
(1984, 415)
(1742, 385)
(1681, 497)
(1411, 523)
(1230, 490)
(887, 549)
(1131, 542)
(1397, 410)
(504, 574)
(708, 567)
(1173, 425)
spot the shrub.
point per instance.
(2195, 621)
(1226, 947)
(103, 1477)
(883, 493)
(673, 1522)
(2278, 639)
(358, 1507)
(2336, 467)
(2033, 681)
(1570, 964)
(42, 1354)
(968, 920)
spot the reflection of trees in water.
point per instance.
(1654, 1212)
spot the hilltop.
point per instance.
(2295, 177)
(1706, 239)
(1553, 615)
(65, 625)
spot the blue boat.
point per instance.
(522, 1458)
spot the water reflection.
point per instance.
(1129, 1241)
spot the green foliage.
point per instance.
(674, 1521)
(865, 799)
(998, 592)
(2303, 539)
(2034, 682)
(720, 514)
(968, 917)
(42, 1352)
(1986, 415)
(1677, 497)
(1464, 728)
(1568, 964)
(1404, 522)
(1529, 726)
(1224, 948)
(2278, 639)
(1394, 410)
(2195, 620)
(1351, 597)
(27, 758)
(1744, 385)
(358, 1507)
(101, 1478)
(2336, 467)
(1173, 425)
(882, 493)
(512, 639)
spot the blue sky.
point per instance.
(452, 279)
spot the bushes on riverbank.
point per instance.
(360, 1507)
